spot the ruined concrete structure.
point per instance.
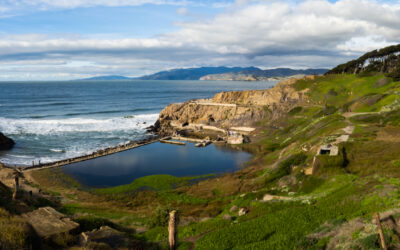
(328, 149)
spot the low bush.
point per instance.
(295, 110)
(285, 166)
(88, 223)
(160, 217)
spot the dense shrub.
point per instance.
(295, 110)
(285, 166)
(378, 61)
(160, 217)
(395, 74)
(88, 223)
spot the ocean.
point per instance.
(51, 121)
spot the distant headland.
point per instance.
(216, 74)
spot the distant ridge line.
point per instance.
(199, 73)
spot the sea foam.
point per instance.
(60, 126)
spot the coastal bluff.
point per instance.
(227, 110)
(5, 142)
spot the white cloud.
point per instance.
(312, 33)
(182, 11)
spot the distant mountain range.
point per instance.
(106, 78)
(193, 73)
(216, 73)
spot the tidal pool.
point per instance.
(154, 159)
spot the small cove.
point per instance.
(156, 159)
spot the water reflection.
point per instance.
(157, 158)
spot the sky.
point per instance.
(73, 39)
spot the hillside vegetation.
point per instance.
(386, 60)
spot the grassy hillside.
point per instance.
(288, 207)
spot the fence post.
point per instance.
(16, 187)
(172, 230)
(382, 237)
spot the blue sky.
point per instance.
(60, 40)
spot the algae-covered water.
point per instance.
(155, 159)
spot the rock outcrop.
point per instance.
(5, 142)
(46, 222)
(283, 94)
(230, 109)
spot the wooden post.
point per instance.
(16, 187)
(382, 237)
(172, 230)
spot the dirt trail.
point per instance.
(348, 131)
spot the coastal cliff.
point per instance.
(5, 142)
(231, 109)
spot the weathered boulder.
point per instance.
(243, 211)
(233, 208)
(235, 140)
(226, 217)
(105, 236)
(5, 142)
(46, 222)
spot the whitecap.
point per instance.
(71, 125)
(57, 150)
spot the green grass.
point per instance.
(396, 163)
(156, 182)
(181, 198)
(284, 167)
(101, 212)
(343, 90)
(284, 225)
(14, 232)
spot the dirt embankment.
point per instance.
(231, 109)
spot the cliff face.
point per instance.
(5, 142)
(231, 109)
(283, 94)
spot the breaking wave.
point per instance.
(71, 125)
